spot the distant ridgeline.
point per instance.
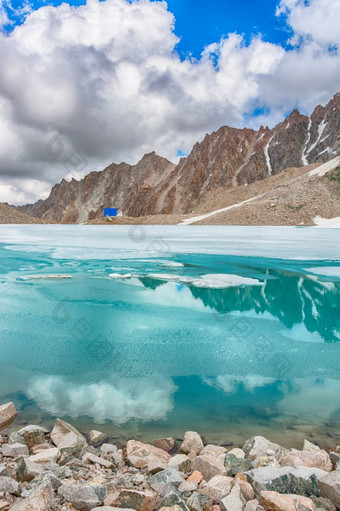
(227, 158)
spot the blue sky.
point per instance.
(201, 22)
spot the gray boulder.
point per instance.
(139, 500)
(14, 450)
(110, 508)
(213, 450)
(33, 435)
(173, 501)
(8, 485)
(217, 488)
(166, 481)
(259, 446)
(139, 454)
(298, 481)
(85, 498)
(330, 487)
(97, 438)
(234, 501)
(180, 462)
(15, 438)
(236, 465)
(209, 466)
(40, 499)
(199, 502)
(28, 470)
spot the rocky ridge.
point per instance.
(225, 159)
(11, 215)
(63, 469)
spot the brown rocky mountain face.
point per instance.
(225, 159)
(124, 186)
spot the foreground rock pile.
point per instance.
(64, 469)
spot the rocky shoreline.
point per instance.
(63, 469)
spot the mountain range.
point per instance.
(226, 161)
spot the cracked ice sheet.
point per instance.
(75, 242)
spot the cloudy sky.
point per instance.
(83, 85)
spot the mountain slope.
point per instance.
(295, 196)
(225, 160)
(11, 215)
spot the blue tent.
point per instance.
(110, 212)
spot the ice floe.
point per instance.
(216, 281)
(46, 277)
(120, 275)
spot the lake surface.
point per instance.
(231, 331)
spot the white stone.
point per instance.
(7, 415)
(65, 436)
(192, 442)
(46, 456)
(14, 450)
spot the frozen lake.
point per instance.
(231, 331)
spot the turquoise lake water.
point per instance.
(229, 331)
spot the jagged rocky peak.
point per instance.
(226, 158)
(323, 137)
